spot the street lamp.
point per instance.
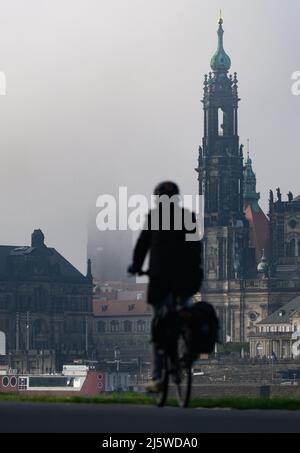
(272, 367)
(28, 339)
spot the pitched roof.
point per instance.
(259, 230)
(110, 308)
(66, 268)
(5, 250)
(62, 269)
(283, 314)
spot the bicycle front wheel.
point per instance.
(183, 374)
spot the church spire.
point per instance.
(251, 197)
(220, 62)
(89, 275)
(221, 160)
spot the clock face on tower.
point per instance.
(253, 316)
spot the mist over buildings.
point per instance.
(102, 94)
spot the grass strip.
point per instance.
(140, 399)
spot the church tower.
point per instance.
(228, 256)
(251, 263)
(221, 158)
(251, 197)
(221, 174)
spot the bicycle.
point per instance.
(177, 357)
(175, 348)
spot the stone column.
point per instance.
(224, 315)
(265, 347)
(280, 350)
(232, 333)
(270, 347)
(227, 321)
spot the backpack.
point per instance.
(204, 326)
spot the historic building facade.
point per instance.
(284, 253)
(278, 335)
(285, 236)
(245, 278)
(45, 307)
(122, 321)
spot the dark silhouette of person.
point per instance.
(175, 256)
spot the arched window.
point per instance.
(223, 123)
(127, 326)
(141, 326)
(259, 350)
(214, 189)
(114, 326)
(291, 248)
(220, 122)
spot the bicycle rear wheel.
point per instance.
(183, 373)
(161, 396)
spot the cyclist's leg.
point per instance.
(157, 363)
(184, 301)
(156, 344)
(156, 355)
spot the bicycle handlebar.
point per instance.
(140, 274)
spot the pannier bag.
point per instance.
(201, 321)
(204, 327)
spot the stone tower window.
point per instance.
(220, 122)
(292, 248)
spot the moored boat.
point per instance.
(73, 381)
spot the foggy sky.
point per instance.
(102, 93)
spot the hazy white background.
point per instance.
(102, 93)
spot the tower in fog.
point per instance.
(226, 246)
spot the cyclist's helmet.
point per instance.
(166, 188)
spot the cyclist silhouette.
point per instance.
(175, 259)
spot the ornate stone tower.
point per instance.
(243, 286)
(251, 197)
(257, 220)
(221, 159)
(227, 254)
